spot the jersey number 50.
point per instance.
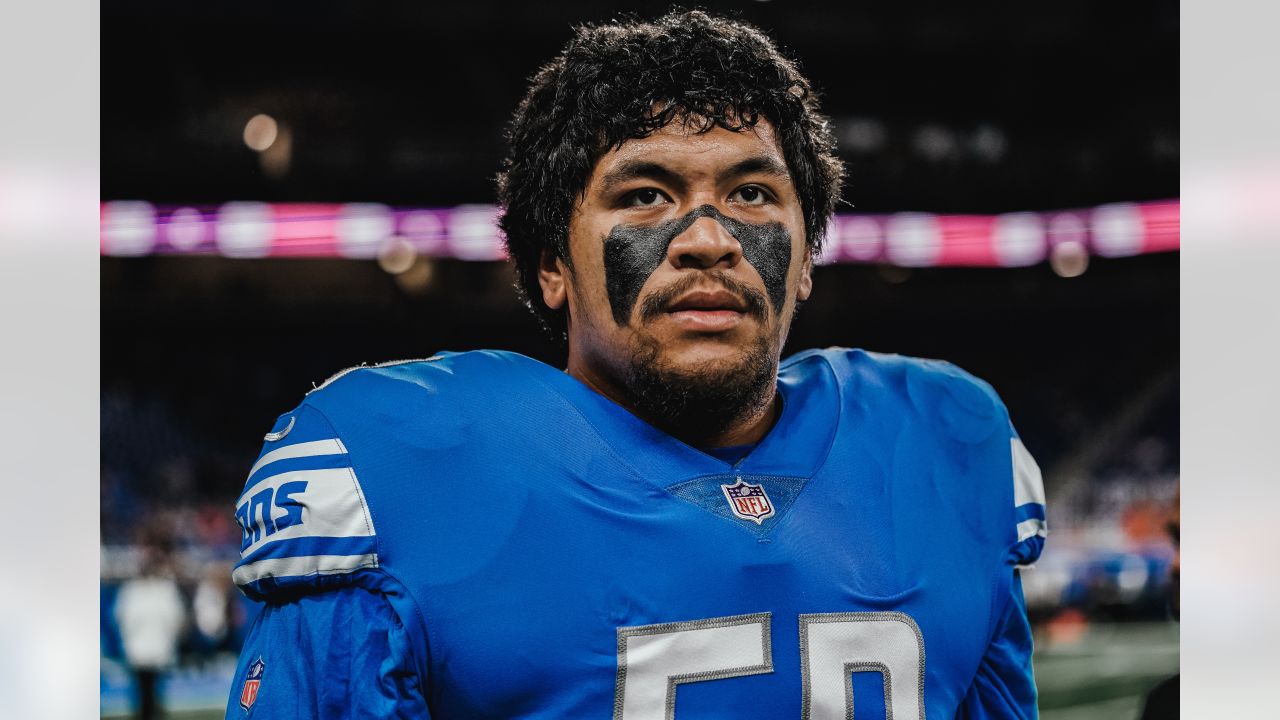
(653, 660)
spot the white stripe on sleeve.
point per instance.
(1031, 527)
(332, 446)
(301, 566)
(1028, 485)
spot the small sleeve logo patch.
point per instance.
(748, 502)
(252, 681)
(279, 434)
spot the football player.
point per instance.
(679, 524)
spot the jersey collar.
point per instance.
(796, 446)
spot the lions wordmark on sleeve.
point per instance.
(302, 513)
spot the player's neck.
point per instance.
(748, 431)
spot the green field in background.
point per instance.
(1102, 676)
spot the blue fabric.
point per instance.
(1004, 686)
(1029, 511)
(519, 521)
(730, 454)
(339, 655)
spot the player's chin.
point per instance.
(694, 353)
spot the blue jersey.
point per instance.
(480, 535)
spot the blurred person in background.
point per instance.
(152, 617)
(212, 610)
(1163, 702)
(479, 535)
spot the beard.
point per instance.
(698, 403)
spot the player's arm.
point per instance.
(329, 642)
(341, 654)
(1004, 686)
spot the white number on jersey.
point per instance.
(653, 660)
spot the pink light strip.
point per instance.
(469, 232)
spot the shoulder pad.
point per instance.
(390, 363)
(302, 514)
(966, 407)
(969, 411)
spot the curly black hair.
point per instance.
(628, 79)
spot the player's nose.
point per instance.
(704, 245)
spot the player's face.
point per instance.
(687, 248)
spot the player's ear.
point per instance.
(806, 278)
(551, 276)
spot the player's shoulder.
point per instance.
(307, 522)
(444, 389)
(448, 377)
(967, 406)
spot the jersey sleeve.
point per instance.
(967, 409)
(1028, 504)
(304, 523)
(1004, 687)
(342, 654)
(330, 641)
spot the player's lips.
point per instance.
(708, 310)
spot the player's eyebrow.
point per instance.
(629, 170)
(762, 164)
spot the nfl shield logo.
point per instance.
(748, 501)
(252, 681)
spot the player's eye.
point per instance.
(645, 197)
(751, 195)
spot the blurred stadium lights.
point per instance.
(128, 228)
(1069, 259)
(988, 143)
(935, 143)
(860, 238)
(861, 135)
(275, 160)
(913, 239)
(245, 229)
(1117, 230)
(425, 230)
(397, 255)
(272, 141)
(417, 278)
(260, 132)
(187, 229)
(1067, 227)
(362, 229)
(469, 232)
(830, 248)
(473, 233)
(1019, 239)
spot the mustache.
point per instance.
(657, 302)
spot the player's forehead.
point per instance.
(694, 153)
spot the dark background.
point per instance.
(945, 107)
